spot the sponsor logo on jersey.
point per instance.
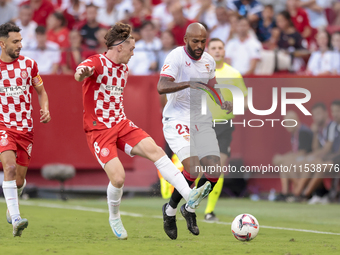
(114, 90)
(3, 142)
(24, 74)
(105, 152)
(13, 90)
(186, 137)
(187, 64)
(29, 149)
(165, 67)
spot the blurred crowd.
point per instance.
(261, 36)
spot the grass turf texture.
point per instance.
(69, 231)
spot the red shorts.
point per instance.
(19, 142)
(104, 143)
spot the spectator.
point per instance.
(89, 27)
(144, 61)
(109, 15)
(161, 15)
(42, 9)
(57, 31)
(222, 29)
(168, 44)
(140, 14)
(233, 20)
(180, 23)
(100, 35)
(45, 53)
(204, 12)
(320, 63)
(301, 141)
(316, 12)
(73, 12)
(251, 9)
(300, 20)
(8, 11)
(75, 54)
(279, 5)
(336, 52)
(27, 25)
(266, 24)
(243, 52)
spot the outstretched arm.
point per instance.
(45, 116)
(168, 85)
(83, 72)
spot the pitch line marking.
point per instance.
(90, 209)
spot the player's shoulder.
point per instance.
(92, 59)
(28, 62)
(176, 54)
(207, 57)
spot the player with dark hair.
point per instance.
(186, 71)
(18, 76)
(107, 128)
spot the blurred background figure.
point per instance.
(144, 61)
(41, 10)
(316, 13)
(57, 31)
(109, 15)
(168, 44)
(179, 24)
(73, 11)
(89, 27)
(161, 15)
(100, 34)
(140, 14)
(266, 24)
(45, 53)
(222, 29)
(250, 9)
(203, 11)
(320, 62)
(243, 52)
(336, 52)
(8, 11)
(27, 25)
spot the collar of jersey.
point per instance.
(8, 63)
(189, 54)
(113, 63)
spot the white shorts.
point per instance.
(199, 141)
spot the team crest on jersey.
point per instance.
(208, 67)
(105, 152)
(24, 74)
(3, 142)
(29, 149)
(186, 137)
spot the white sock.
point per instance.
(11, 196)
(189, 209)
(170, 173)
(114, 196)
(170, 211)
(20, 190)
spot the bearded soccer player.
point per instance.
(186, 71)
(225, 74)
(107, 128)
(18, 76)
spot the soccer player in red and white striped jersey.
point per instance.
(107, 128)
(19, 75)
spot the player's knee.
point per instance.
(10, 169)
(156, 153)
(118, 182)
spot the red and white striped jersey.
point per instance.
(17, 80)
(103, 93)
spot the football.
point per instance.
(245, 227)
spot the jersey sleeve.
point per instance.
(171, 65)
(213, 70)
(91, 62)
(36, 79)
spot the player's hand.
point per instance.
(86, 72)
(45, 116)
(227, 105)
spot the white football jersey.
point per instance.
(182, 67)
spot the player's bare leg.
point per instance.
(147, 148)
(21, 183)
(115, 171)
(9, 186)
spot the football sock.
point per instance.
(11, 196)
(20, 190)
(203, 180)
(114, 196)
(170, 173)
(170, 211)
(214, 195)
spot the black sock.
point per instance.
(203, 180)
(176, 196)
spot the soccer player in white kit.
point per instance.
(190, 135)
(19, 75)
(107, 128)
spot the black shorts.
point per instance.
(224, 137)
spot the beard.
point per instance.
(13, 54)
(193, 52)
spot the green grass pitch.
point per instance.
(81, 227)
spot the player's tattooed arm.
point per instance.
(168, 85)
(83, 73)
